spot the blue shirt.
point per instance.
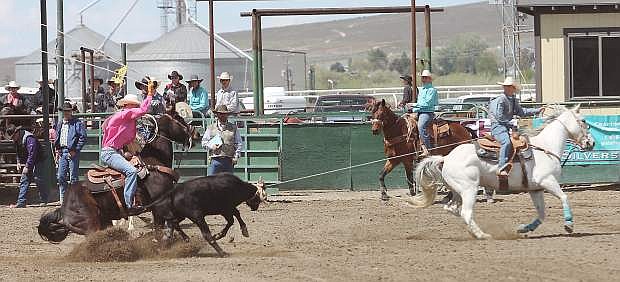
(427, 99)
(198, 99)
(504, 107)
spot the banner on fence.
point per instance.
(606, 133)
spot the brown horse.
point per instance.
(401, 141)
(83, 212)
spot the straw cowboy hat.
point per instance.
(426, 73)
(128, 99)
(175, 73)
(194, 77)
(221, 109)
(184, 110)
(406, 77)
(509, 81)
(145, 82)
(225, 76)
(12, 84)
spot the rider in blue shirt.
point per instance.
(501, 111)
(427, 101)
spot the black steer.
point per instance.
(218, 194)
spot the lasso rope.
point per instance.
(367, 163)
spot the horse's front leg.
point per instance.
(409, 172)
(387, 168)
(538, 198)
(552, 186)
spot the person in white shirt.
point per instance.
(226, 96)
(223, 141)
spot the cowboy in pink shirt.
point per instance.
(120, 130)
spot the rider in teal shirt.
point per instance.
(427, 101)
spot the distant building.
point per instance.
(577, 50)
(28, 69)
(186, 49)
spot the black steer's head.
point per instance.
(259, 197)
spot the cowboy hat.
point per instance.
(184, 110)
(509, 81)
(145, 82)
(175, 73)
(66, 106)
(426, 73)
(221, 109)
(406, 77)
(98, 79)
(128, 99)
(12, 84)
(225, 76)
(194, 77)
(112, 81)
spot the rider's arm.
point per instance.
(524, 112)
(57, 140)
(31, 151)
(135, 113)
(206, 138)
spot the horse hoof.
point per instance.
(568, 227)
(245, 233)
(523, 229)
(224, 254)
(384, 197)
(484, 236)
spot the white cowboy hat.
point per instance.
(128, 99)
(225, 76)
(509, 81)
(12, 84)
(426, 73)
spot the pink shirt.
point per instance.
(121, 127)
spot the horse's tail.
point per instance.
(50, 227)
(428, 176)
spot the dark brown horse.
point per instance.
(83, 212)
(401, 141)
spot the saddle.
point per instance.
(107, 177)
(487, 148)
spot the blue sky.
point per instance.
(20, 33)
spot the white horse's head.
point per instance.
(578, 129)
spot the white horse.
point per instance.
(463, 172)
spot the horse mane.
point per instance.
(553, 111)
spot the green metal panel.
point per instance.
(590, 174)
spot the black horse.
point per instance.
(83, 212)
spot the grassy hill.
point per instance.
(328, 41)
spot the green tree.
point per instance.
(337, 67)
(378, 59)
(401, 64)
(461, 55)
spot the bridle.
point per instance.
(583, 126)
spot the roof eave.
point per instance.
(569, 8)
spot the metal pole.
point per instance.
(124, 61)
(92, 81)
(84, 97)
(413, 48)
(427, 25)
(60, 61)
(255, 64)
(261, 87)
(46, 98)
(212, 54)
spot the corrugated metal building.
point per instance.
(28, 69)
(577, 50)
(186, 49)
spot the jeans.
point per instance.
(221, 164)
(115, 160)
(25, 181)
(501, 134)
(424, 119)
(67, 165)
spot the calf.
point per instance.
(219, 194)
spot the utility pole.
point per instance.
(60, 58)
(46, 98)
(414, 71)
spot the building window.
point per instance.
(594, 65)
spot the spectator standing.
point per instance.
(68, 145)
(30, 161)
(226, 96)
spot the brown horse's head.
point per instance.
(176, 129)
(381, 115)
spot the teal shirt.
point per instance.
(427, 99)
(198, 99)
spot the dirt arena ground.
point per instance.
(353, 236)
